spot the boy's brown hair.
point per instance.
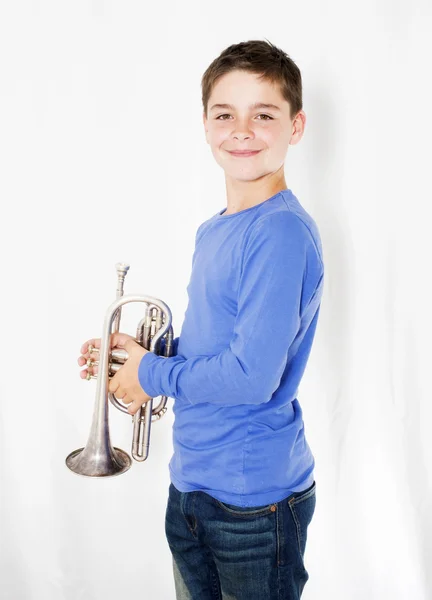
(262, 58)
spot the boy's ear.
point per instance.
(299, 124)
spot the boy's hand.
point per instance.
(125, 383)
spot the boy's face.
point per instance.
(242, 127)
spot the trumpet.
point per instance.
(99, 458)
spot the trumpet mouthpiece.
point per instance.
(122, 268)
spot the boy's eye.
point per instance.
(261, 115)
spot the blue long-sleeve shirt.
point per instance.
(254, 299)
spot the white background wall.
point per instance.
(103, 158)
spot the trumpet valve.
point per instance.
(119, 355)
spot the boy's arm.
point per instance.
(249, 370)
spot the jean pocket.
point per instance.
(302, 506)
(248, 511)
(303, 495)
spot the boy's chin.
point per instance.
(243, 177)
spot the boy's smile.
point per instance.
(241, 153)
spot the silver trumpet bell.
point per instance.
(98, 458)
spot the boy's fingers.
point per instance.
(93, 370)
(117, 339)
(82, 360)
(134, 407)
(95, 342)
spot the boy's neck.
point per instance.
(242, 195)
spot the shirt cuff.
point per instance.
(147, 365)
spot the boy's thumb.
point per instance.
(122, 340)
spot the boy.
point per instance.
(242, 490)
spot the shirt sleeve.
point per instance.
(268, 318)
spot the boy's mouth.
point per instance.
(244, 152)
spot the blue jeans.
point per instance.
(225, 552)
